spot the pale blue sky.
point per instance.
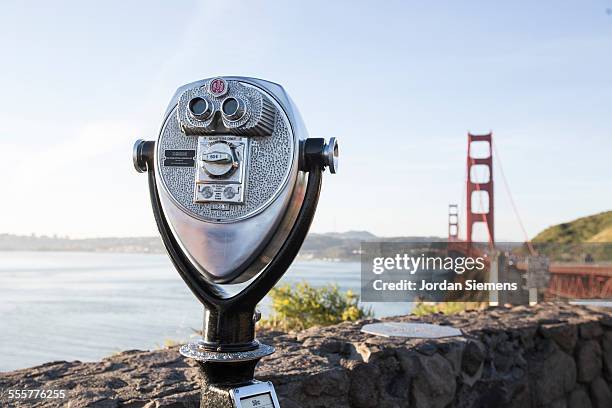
(399, 83)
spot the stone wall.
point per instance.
(543, 356)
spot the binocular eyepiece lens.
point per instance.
(232, 108)
(200, 108)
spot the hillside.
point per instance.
(604, 235)
(343, 246)
(592, 229)
(11, 242)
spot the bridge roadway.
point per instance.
(578, 281)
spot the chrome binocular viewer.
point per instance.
(234, 183)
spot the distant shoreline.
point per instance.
(332, 247)
(305, 258)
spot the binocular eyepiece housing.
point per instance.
(230, 165)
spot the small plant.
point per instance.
(169, 343)
(304, 306)
(447, 308)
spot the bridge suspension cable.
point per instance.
(512, 203)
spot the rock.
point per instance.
(428, 348)
(565, 335)
(600, 393)
(371, 352)
(185, 400)
(393, 383)
(398, 390)
(287, 403)
(453, 352)
(408, 360)
(473, 357)
(606, 322)
(589, 360)
(506, 356)
(472, 379)
(495, 392)
(560, 403)
(327, 346)
(435, 385)
(525, 335)
(363, 391)
(590, 330)
(579, 399)
(95, 399)
(333, 382)
(553, 377)
(607, 355)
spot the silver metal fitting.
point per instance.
(140, 163)
(330, 155)
(317, 152)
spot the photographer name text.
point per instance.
(470, 285)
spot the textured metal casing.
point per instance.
(234, 249)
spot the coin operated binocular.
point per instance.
(234, 183)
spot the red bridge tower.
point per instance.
(480, 186)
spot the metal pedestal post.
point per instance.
(218, 379)
(227, 355)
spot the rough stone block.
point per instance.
(589, 359)
(473, 357)
(334, 382)
(453, 352)
(363, 391)
(435, 385)
(579, 399)
(590, 330)
(560, 403)
(565, 335)
(600, 393)
(607, 356)
(552, 377)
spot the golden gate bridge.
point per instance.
(565, 280)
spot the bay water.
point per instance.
(87, 305)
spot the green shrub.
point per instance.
(304, 306)
(447, 308)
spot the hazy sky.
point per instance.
(399, 83)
